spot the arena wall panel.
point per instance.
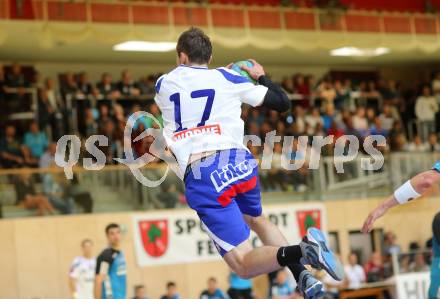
(36, 252)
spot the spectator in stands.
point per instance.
(372, 95)
(213, 291)
(35, 140)
(299, 119)
(103, 116)
(154, 109)
(426, 109)
(90, 126)
(360, 122)
(287, 84)
(374, 268)
(16, 77)
(419, 264)
(54, 187)
(313, 120)
(139, 292)
(239, 288)
(281, 288)
(377, 129)
(435, 85)
(417, 145)
(404, 266)
(127, 86)
(84, 85)
(2, 81)
(328, 117)
(28, 198)
(12, 152)
(81, 196)
(326, 93)
(171, 292)
(107, 129)
(342, 99)
(48, 157)
(390, 246)
(146, 85)
(106, 88)
(50, 109)
(302, 87)
(354, 272)
(69, 86)
(433, 145)
(386, 118)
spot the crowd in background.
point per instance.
(407, 118)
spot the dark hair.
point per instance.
(170, 284)
(196, 44)
(111, 226)
(212, 279)
(83, 242)
(138, 287)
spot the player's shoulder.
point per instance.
(158, 83)
(106, 254)
(231, 75)
(76, 262)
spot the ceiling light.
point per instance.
(359, 52)
(141, 46)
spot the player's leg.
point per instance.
(314, 248)
(249, 262)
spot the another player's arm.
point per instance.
(275, 98)
(72, 280)
(102, 266)
(411, 189)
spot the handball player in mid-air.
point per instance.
(412, 189)
(201, 110)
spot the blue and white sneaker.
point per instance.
(309, 286)
(316, 253)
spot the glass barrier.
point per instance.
(31, 192)
(413, 261)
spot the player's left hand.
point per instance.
(256, 71)
(374, 215)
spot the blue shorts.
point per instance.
(221, 188)
(436, 166)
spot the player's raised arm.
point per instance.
(411, 189)
(275, 98)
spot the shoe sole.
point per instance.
(326, 258)
(314, 292)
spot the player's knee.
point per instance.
(255, 222)
(243, 273)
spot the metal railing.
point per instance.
(114, 188)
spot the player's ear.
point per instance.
(210, 59)
(183, 58)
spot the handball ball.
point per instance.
(236, 66)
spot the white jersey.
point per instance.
(201, 109)
(83, 271)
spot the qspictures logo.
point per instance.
(296, 153)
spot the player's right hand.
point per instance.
(256, 71)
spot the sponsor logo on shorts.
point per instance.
(230, 173)
(208, 129)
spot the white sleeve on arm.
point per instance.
(252, 94)
(74, 268)
(248, 92)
